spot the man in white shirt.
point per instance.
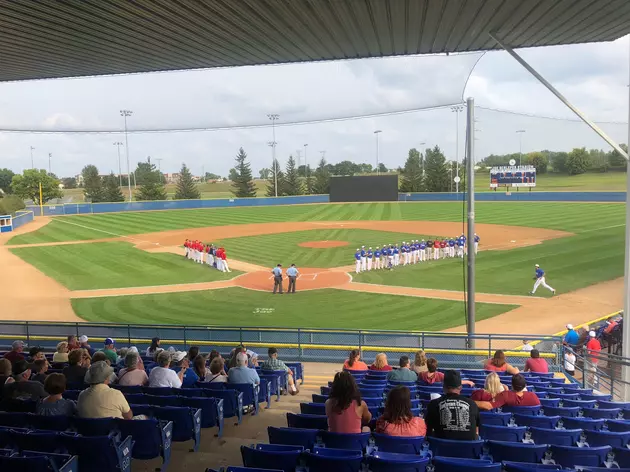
(162, 376)
(526, 346)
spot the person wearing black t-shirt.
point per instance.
(452, 416)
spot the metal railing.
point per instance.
(602, 372)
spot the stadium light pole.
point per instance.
(305, 163)
(273, 117)
(377, 132)
(49, 163)
(470, 241)
(118, 144)
(457, 109)
(125, 114)
(159, 161)
(520, 133)
(422, 158)
(32, 161)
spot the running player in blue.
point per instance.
(377, 258)
(357, 258)
(477, 239)
(540, 280)
(369, 259)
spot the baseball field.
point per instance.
(129, 267)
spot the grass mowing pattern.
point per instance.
(271, 249)
(330, 308)
(115, 265)
(574, 217)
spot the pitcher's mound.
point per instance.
(323, 244)
(309, 279)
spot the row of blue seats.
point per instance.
(33, 461)
(463, 373)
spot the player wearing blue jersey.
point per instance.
(369, 256)
(363, 259)
(357, 259)
(396, 255)
(540, 280)
(404, 251)
(423, 251)
(462, 245)
(377, 258)
(451, 247)
(390, 257)
(459, 250)
(477, 239)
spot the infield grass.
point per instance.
(115, 265)
(237, 307)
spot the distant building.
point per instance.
(171, 178)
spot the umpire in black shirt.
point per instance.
(452, 416)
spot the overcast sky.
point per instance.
(594, 77)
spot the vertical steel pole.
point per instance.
(127, 154)
(273, 152)
(457, 148)
(625, 370)
(470, 188)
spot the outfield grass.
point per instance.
(115, 265)
(270, 249)
(590, 182)
(237, 307)
(574, 217)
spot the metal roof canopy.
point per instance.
(48, 39)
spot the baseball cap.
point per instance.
(177, 356)
(98, 373)
(518, 382)
(536, 265)
(452, 379)
(569, 326)
(20, 367)
(109, 341)
(83, 339)
(592, 334)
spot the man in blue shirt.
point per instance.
(241, 373)
(451, 247)
(180, 362)
(369, 258)
(363, 259)
(357, 259)
(477, 238)
(572, 337)
(423, 251)
(540, 280)
(396, 255)
(277, 278)
(292, 273)
(377, 258)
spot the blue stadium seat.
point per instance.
(191, 392)
(125, 389)
(307, 421)
(298, 370)
(373, 401)
(604, 413)
(269, 386)
(584, 404)
(548, 422)
(324, 390)
(319, 398)
(453, 464)
(167, 391)
(569, 456)
(565, 396)
(390, 461)
(602, 469)
(17, 405)
(502, 433)
(522, 410)
(232, 402)
(607, 438)
(211, 385)
(99, 453)
(451, 448)
(313, 408)
(560, 437)
(400, 445)
(17, 419)
(551, 390)
(572, 412)
(94, 426)
(509, 466)
(376, 374)
(32, 461)
(321, 459)
(547, 402)
(571, 387)
(293, 436)
(618, 425)
(624, 406)
(354, 442)
(164, 400)
(137, 398)
(371, 392)
(152, 438)
(267, 456)
(367, 382)
(44, 441)
(211, 411)
(585, 396)
(52, 423)
(502, 450)
(186, 422)
(621, 456)
(583, 423)
(496, 419)
(357, 374)
(280, 378)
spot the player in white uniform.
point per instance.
(369, 255)
(357, 258)
(540, 280)
(363, 259)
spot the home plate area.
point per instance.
(309, 279)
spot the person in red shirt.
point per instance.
(354, 362)
(432, 375)
(224, 263)
(380, 363)
(490, 390)
(593, 349)
(15, 354)
(515, 397)
(499, 364)
(443, 247)
(535, 363)
(72, 343)
(611, 325)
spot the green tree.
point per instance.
(186, 189)
(310, 181)
(321, 185)
(275, 173)
(411, 178)
(578, 161)
(436, 178)
(243, 184)
(144, 171)
(152, 187)
(292, 181)
(264, 173)
(6, 177)
(382, 169)
(345, 168)
(111, 189)
(211, 176)
(9, 204)
(26, 186)
(233, 174)
(614, 158)
(539, 161)
(69, 182)
(559, 162)
(92, 185)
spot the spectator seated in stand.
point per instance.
(572, 337)
(193, 352)
(397, 419)
(100, 356)
(213, 354)
(273, 363)
(154, 348)
(536, 363)
(23, 388)
(122, 353)
(78, 365)
(345, 410)
(234, 353)
(432, 375)
(39, 369)
(419, 363)
(6, 371)
(83, 343)
(199, 366)
(515, 397)
(61, 355)
(569, 360)
(354, 361)
(36, 353)
(54, 404)
(380, 363)
(241, 373)
(403, 374)
(162, 375)
(16, 352)
(490, 390)
(110, 351)
(99, 400)
(133, 374)
(499, 364)
(217, 371)
(180, 362)
(72, 343)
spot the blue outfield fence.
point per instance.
(21, 218)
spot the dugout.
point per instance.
(364, 188)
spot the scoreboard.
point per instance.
(513, 176)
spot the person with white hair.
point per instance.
(162, 376)
(83, 342)
(133, 373)
(16, 353)
(241, 373)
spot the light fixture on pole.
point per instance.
(159, 161)
(377, 132)
(118, 144)
(273, 117)
(49, 164)
(457, 109)
(125, 114)
(305, 163)
(32, 161)
(422, 158)
(520, 145)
